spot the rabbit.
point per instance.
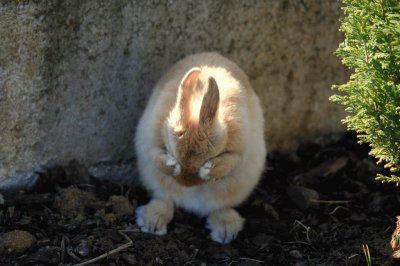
(200, 145)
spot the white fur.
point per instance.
(207, 199)
(171, 161)
(154, 217)
(224, 225)
(205, 170)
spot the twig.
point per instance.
(25, 199)
(130, 231)
(122, 189)
(307, 228)
(185, 226)
(297, 242)
(331, 201)
(300, 242)
(86, 186)
(62, 249)
(194, 254)
(224, 260)
(122, 233)
(105, 255)
(336, 209)
(387, 229)
(73, 255)
(254, 260)
(352, 256)
(43, 241)
(1, 199)
(128, 191)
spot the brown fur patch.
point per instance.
(189, 180)
(210, 104)
(194, 148)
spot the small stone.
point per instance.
(129, 258)
(171, 245)
(271, 211)
(250, 262)
(158, 260)
(25, 220)
(302, 197)
(16, 241)
(47, 255)
(83, 248)
(295, 254)
(11, 210)
(109, 218)
(263, 240)
(356, 217)
(121, 206)
(318, 174)
(72, 201)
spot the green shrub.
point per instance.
(372, 95)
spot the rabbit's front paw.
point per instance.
(154, 217)
(224, 225)
(205, 169)
(172, 162)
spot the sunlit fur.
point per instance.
(235, 131)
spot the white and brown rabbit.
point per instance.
(200, 145)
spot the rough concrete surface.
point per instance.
(75, 75)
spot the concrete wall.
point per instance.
(75, 75)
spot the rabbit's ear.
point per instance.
(186, 90)
(210, 103)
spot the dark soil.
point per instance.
(316, 206)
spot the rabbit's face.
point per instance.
(194, 147)
(192, 133)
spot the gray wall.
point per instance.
(75, 75)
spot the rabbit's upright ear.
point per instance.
(187, 89)
(209, 106)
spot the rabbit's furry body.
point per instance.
(200, 145)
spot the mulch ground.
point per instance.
(316, 206)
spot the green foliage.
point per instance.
(372, 95)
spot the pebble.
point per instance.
(302, 197)
(263, 240)
(295, 254)
(83, 248)
(121, 206)
(129, 258)
(271, 211)
(16, 241)
(72, 201)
